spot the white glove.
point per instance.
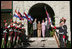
(8, 26)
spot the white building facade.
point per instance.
(61, 9)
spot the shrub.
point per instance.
(52, 33)
(68, 44)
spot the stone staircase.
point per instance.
(47, 42)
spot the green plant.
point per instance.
(30, 28)
(68, 44)
(52, 33)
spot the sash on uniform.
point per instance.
(5, 39)
(64, 36)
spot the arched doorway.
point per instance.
(38, 11)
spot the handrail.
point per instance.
(57, 39)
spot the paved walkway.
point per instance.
(47, 42)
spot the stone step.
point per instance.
(40, 38)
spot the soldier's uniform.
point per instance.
(15, 33)
(11, 34)
(6, 31)
(62, 33)
(1, 35)
(18, 32)
(23, 35)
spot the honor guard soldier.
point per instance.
(5, 35)
(1, 43)
(15, 33)
(14, 23)
(19, 32)
(62, 33)
(24, 38)
(11, 33)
